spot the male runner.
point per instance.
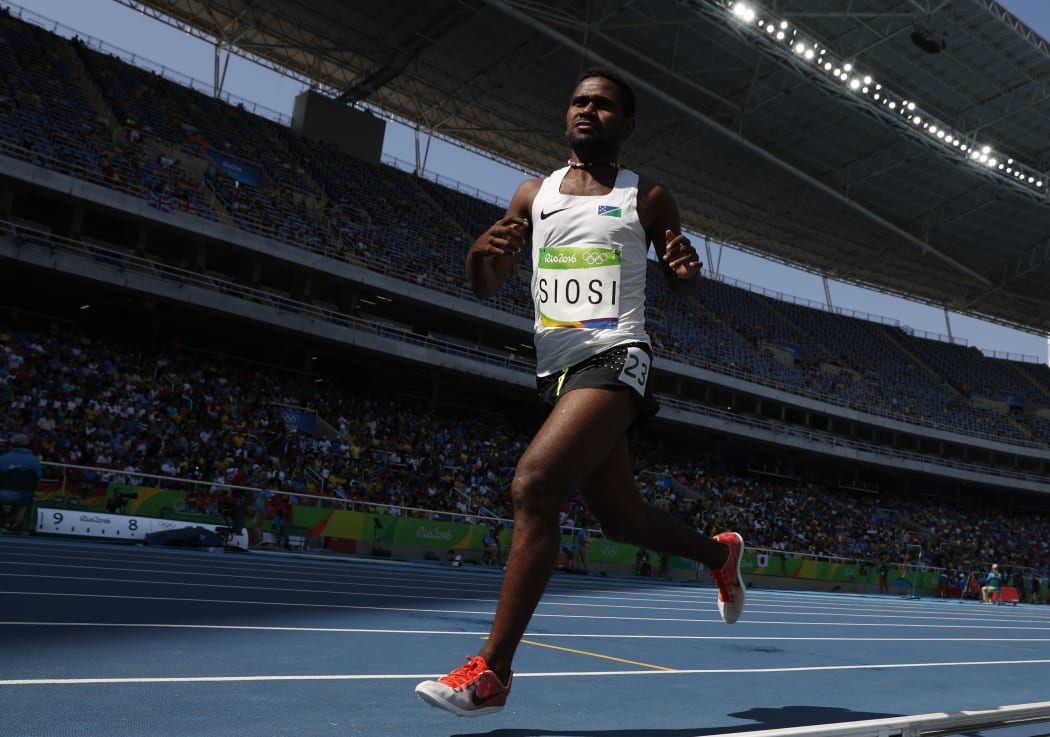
(590, 225)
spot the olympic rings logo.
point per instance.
(596, 259)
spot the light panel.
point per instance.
(803, 50)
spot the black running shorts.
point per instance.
(624, 368)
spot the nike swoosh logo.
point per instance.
(481, 700)
(545, 215)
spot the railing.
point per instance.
(123, 261)
(395, 269)
(804, 302)
(940, 337)
(1018, 357)
(919, 725)
(446, 182)
(172, 75)
(837, 401)
(837, 441)
(58, 471)
(257, 109)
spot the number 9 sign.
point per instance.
(90, 524)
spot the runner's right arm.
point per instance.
(491, 258)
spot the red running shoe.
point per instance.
(731, 592)
(469, 691)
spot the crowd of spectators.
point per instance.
(133, 413)
(138, 132)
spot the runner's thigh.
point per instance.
(585, 425)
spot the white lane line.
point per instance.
(976, 622)
(350, 573)
(223, 575)
(561, 674)
(466, 612)
(534, 636)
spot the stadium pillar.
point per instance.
(347, 301)
(142, 238)
(76, 223)
(220, 78)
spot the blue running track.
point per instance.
(128, 641)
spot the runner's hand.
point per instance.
(505, 238)
(680, 256)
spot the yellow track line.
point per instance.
(595, 655)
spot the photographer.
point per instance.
(118, 502)
(20, 472)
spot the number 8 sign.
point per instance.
(90, 524)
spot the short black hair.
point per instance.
(616, 78)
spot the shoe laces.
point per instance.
(466, 673)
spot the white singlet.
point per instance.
(588, 271)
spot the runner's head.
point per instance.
(600, 115)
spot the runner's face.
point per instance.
(595, 120)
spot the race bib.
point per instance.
(578, 287)
(635, 371)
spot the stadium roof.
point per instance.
(919, 169)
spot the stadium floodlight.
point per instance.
(792, 43)
(743, 11)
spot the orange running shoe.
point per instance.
(469, 691)
(731, 591)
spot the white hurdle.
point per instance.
(919, 725)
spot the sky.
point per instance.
(184, 58)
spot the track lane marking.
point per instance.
(595, 655)
(549, 674)
(479, 633)
(982, 624)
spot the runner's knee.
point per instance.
(533, 490)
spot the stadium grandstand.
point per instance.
(258, 321)
(193, 291)
(168, 234)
